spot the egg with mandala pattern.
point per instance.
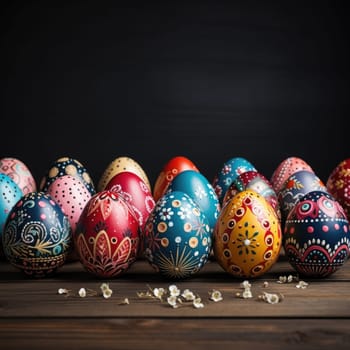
(177, 237)
(197, 186)
(37, 236)
(316, 235)
(67, 166)
(228, 173)
(19, 173)
(107, 236)
(247, 236)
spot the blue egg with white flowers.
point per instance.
(197, 186)
(177, 239)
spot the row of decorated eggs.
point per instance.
(235, 177)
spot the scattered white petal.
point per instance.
(272, 298)
(282, 279)
(104, 286)
(188, 295)
(124, 302)
(158, 293)
(245, 284)
(107, 293)
(82, 292)
(216, 295)
(172, 301)
(62, 291)
(247, 294)
(302, 285)
(265, 284)
(174, 291)
(197, 303)
(290, 279)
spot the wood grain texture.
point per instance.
(34, 315)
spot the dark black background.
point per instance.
(207, 80)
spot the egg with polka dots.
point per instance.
(316, 235)
(67, 166)
(177, 238)
(36, 238)
(10, 193)
(71, 195)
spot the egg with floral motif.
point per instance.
(228, 173)
(177, 237)
(338, 185)
(316, 235)
(285, 169)
(37, 237)
(295, 187)
(197, 186)
(247, 237)
(19, 173)
(67, 166)
(133, 189)
(107, 236)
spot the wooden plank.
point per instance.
(38, 298)
(191, 333)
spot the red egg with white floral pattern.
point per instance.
(107, 236)
(287, 168)
(338, 185)
(134, 190)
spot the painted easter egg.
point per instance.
(10, 193)
(247, 237)
(253, 180)
(37, 237)
(338, 185)
(119, 165)
(71, 195)
(133, 189)
(107, 237)
(197, 186)
(19, 173)
(228, 173)
(316, 235)
(171, 169)
(295, 187)
(285, 169)
(177, 238)
(67, 166)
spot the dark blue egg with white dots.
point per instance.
(67, 166)
(177, 239)
(316, 235)
(201, 191)
(37, 235)
(228, 173)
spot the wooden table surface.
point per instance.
(33, 315)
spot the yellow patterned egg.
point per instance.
(247, 236)
(119, 165)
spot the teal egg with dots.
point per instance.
(177, 239)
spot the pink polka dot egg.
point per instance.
(316, 235)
